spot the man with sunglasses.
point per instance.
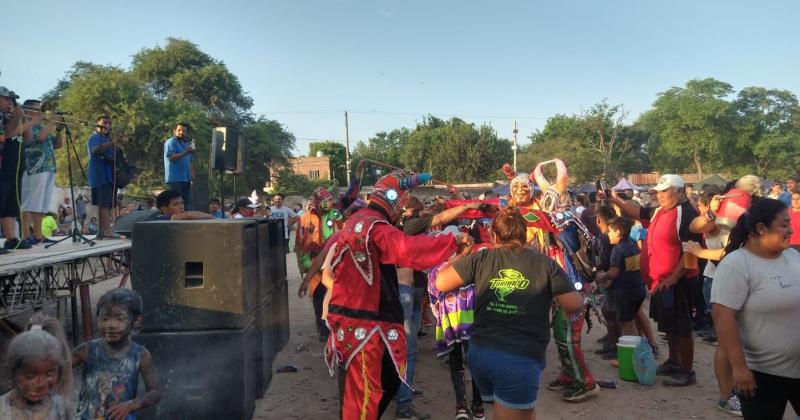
(101, 172)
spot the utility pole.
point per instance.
(514, 146)
(347, 147)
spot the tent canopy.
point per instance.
(586, 189)
(624, 184)
(714, 180)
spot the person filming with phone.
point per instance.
(178, 163)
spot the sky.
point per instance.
(390, 63)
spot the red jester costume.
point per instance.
(367, 340)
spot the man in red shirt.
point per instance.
(672, 280)
(794, 212)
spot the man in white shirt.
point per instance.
(279, 211)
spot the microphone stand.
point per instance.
(75, 234)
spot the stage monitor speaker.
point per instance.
(196, 275)
(226, 153)
(265, 352)
(204, 374)
(277, 248)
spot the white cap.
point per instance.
(669, 181)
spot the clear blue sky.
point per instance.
(391, 62)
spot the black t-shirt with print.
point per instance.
(514, 290)
(625, 255)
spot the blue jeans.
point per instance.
(411, 301)
(506, 378)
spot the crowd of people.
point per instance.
(500, 275)
(518, 277)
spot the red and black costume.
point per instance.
(367, 339)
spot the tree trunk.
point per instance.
(698, 165)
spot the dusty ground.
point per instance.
(311, 393)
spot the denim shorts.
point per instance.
(505, 378)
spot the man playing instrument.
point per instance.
(101, 172)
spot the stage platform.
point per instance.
(33, 278)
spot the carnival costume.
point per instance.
(368, 341)
(314, 228)
(574, 241)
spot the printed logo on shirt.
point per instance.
(509, 281)
(632, 263)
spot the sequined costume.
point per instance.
(368, 342)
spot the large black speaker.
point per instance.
(265, 352)
(204, 374)
(280, 317)
(200, 192)
(196, 275)
(276, 239)
(227, 150)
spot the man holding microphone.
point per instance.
(178, 159)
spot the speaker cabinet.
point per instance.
(227, 150)
(203, 374)
(196, 275)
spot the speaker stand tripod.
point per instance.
(75, 233)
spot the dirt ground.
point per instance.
(311, 393)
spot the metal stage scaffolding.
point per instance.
(33, 278)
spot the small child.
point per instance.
(39, 365)
(112, 364)
(623, 276)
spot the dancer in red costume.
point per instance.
(367, 340)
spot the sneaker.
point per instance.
(46, 240)
(15, 243)
(31, 241)
(578, 394)
(410, 412)
(603, 339)
(416, 393)
(461, 412)
(612, 355)
(732, 406)
(557, 385)
(668, 368)
(711, 339)
(477, 412)
(421, 334)
(681, 379)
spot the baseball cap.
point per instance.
(245, 202)
(668, 181)
(7, 93)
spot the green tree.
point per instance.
(455, 151)
(181, 71)
(337, 155)
(767, 131)
(691, 127)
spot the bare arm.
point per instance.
(700, 252)
(192, 215)
(449, 215)
(701, 224)
(153, 394)
(629, 208)
(673, 278)
(448, 279)
(608, 278)
(316, 265)
(729, 339)
(572, 302)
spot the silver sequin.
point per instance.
(392, 335)
(361, 257)
(359, 227)
(360, 333)
(340, 334)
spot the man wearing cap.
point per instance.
(244, 208)
(14, 130)
(671, 279)
(368, 341)
(39, 177)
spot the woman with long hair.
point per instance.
(756, 310)
(514, 289)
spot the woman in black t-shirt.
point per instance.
(514, 287)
